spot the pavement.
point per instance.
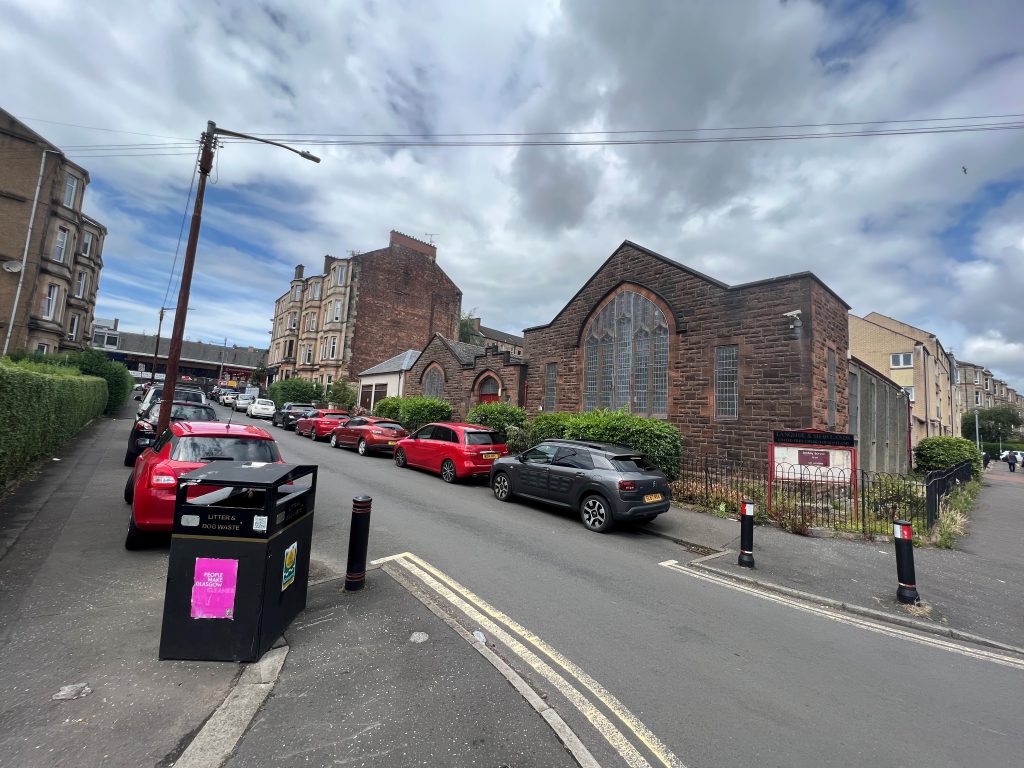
(381, 676)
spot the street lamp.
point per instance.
(209, 145)
(156, 346)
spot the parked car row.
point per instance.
(603, 482)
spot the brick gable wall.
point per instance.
(782, 370)
(401, 298)
(462, 381)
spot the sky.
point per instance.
(926, 227)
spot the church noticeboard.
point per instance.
(813, 437)
(812, 458)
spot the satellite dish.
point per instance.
(12, 266)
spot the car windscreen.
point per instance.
(633, 464)
(485, 438)
(203, 449)
(192, 413)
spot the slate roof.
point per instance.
(400, 362)
(507, 338)
(193, 351)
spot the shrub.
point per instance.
(40, 412)
(658, 440)
(293, 391)
(388, 408)
(498, 416)
(944, 452)
(343, 395)
(93, 362)
(548, 426)
(417, 411)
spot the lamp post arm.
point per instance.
(235, 134)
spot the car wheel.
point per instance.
(312, 434)
(361, 447)
(129, 489)
(134, 538)
(502, 487)
(595, 514)
(129, 459)
(334, 441)
(400, 458)
(448, 471)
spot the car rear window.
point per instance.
(265, 402)
(388, 425)
(485, 438)
(299, 407)
(632, 464)
(196, 449)
(193, 413)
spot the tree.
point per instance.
(259, 374)
(293, 391)
(994, 424)
(467, 328)
(343, 395)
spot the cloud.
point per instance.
(521, 229)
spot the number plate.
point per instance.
(490, 455)
(392, 442)
(652, 497)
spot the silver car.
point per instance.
(606, 483)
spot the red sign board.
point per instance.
(813, 458)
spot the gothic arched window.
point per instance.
(433, 383)
(625, 357)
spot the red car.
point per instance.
(452, 450)
(367, 434)
(186, 445)
(319, 423)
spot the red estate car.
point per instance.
(186, 445)
(319, 423)
(452, 450)
(368, 434)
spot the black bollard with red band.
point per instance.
(903, 535)
(358, 536)
(746, 558)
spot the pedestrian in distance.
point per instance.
(985, 459)
(1012, 461)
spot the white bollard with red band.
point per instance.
(903, 535)
(746, 558)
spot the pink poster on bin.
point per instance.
(213, 588)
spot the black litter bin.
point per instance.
(239, 562)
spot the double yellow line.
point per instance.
(579, 688)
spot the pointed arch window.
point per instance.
(625, 351)
(433, 383)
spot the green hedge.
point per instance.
(934, 453)
(498, 416)
(413, 412)
(658, 440)
(389, 408)
(993, 448)
(293, 391)
(40, 412)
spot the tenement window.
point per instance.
(70, 188)
(433, 383)
(626, 357)
(727, 392)
(60, 244)
(86, 243)
(901, 360)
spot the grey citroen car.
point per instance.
(606, 483)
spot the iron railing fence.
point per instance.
(804, 497)
(941, 482)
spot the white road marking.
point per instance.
(852, 620)
(511, 634)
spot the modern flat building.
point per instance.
(50, 251)
(917, 361)
(361, 310)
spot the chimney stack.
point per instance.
(299, 272)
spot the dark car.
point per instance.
(606, 483)
(143, 433)
(289, 413)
